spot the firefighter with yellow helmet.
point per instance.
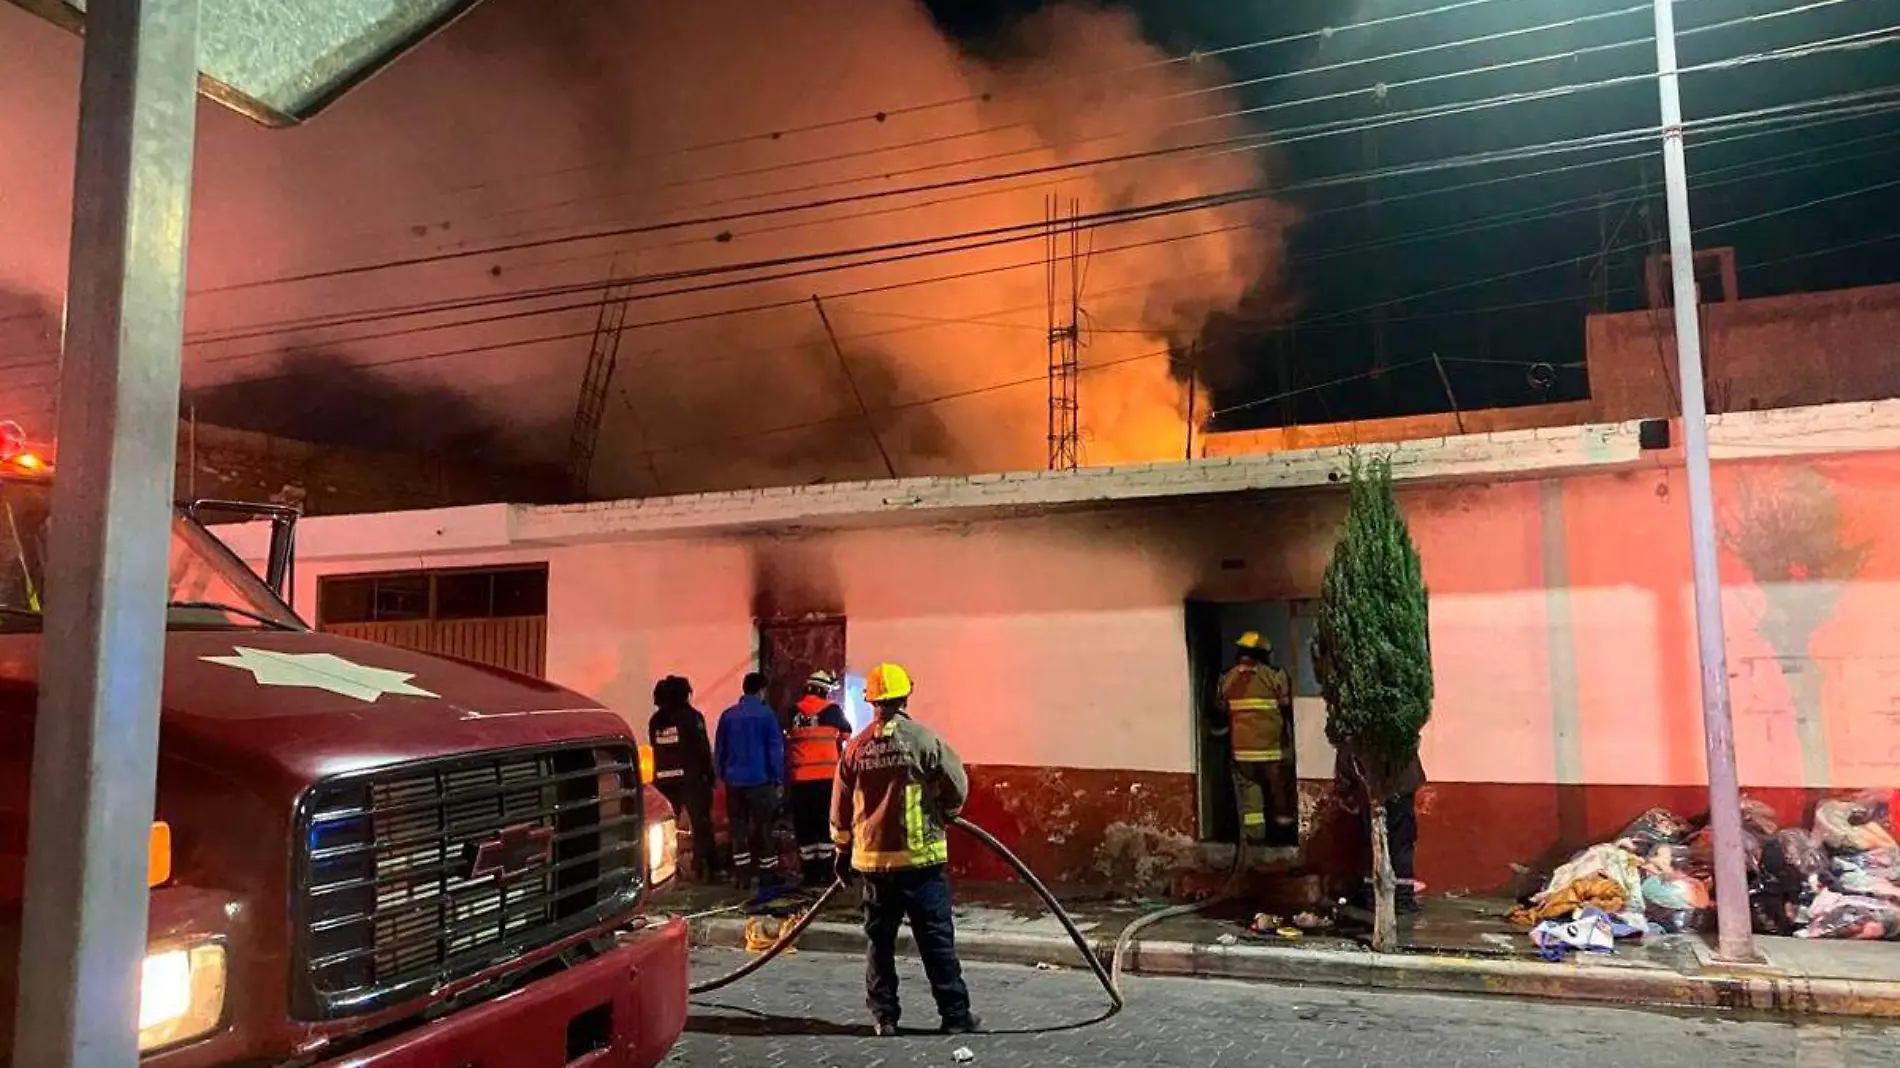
(1255, 695)
(897, 786)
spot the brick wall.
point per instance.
(1771, 352)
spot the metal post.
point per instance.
(1735, 941)
(95, 750)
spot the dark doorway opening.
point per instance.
(1212, 629)
(791, 649)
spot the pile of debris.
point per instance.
(1839, 880)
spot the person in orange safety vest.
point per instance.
(813, 741)
(1255, 695)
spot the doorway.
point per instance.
(1212, 629)
(790, 650)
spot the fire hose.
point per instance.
(1110, 976)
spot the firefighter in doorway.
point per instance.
(1255, 696)
(898, 785)
(813, 742)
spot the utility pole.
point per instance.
(95, 742)
(1065, 337)
(1734, 939)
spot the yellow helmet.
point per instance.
(886, 682)
(1254, 642)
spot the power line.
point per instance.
(915, 249)
(1298, 324)
(883, 115)
(1378, 89)
(1857, 41)
(1072, 142)
(1573, 260)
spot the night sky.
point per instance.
(1491, 334)
(385, 258)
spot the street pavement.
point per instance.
(807, 1009)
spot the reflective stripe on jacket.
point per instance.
(897, 784)
(1255, 697)
(815, 740)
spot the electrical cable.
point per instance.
(1714, 121)
(1380, 90)
(883, 115)
(1857, 41)
(1471, 226)
(1136, 214)
(1073, 142)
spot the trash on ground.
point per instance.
(1045, 966)
(1290, 932)
(962, 1055)
(1839, 880)
(1228, 940)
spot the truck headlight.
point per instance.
(663, 850)
(181, 995)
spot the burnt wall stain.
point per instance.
(794, 578)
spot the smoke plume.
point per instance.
(539, 118)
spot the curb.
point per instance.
(1753, 989)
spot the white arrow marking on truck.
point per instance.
(320, 671)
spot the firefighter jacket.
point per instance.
(815, 740)
(748, 747)
(1255, 697)
(681, 750)
(897, 785)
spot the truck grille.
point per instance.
(418, 875)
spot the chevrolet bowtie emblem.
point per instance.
(515, 850)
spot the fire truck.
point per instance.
(361, 855)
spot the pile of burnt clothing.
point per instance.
(1858, 895)
(1839, 880)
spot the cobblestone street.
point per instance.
(807, 1010)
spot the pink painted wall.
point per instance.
(1562, 632)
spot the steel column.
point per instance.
(1735, 940)
(95, 751)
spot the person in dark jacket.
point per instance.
(683, 765)
(749, 754)
(1401, 822)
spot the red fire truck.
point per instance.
(361, 855)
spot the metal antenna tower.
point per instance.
(602, 355)
(1065, 337)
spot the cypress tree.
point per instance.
(1373, 657)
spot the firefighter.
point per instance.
(1255, 695)
(813, 742)
(749, 752)
(683, 764)
(897, 786)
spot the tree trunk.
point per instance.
(1385, 919)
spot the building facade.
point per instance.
(1065, 629)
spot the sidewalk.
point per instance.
(1453, 946)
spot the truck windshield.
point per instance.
(209, 586)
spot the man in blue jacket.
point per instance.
(749, 753)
